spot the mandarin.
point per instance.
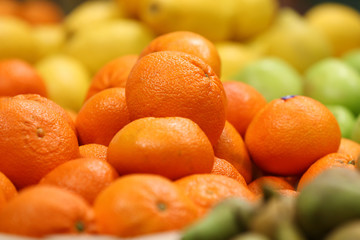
(139, 204)
(223, 167)
(94, 150)
(40, 12)
(274, 182)
(172, 147)
(289, 134)
(7, 187)
(348, 146)
(177, 84)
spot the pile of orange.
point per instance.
(159, 140)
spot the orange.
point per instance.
(223, 167)
(350, 147)
(85, 176)
(172, 147)
(177, 84)
(275, 182)
(332, 160)
(289, 134)
(139, 204)
(244, 101)
(231, 147)
(188, 42)
(7, 187)
(9, 7)
(94, 150)
(18, 76)
(34, 139)
(102, 116)
(112, 74)
(38, 211)
(39, 12)
(206, 190)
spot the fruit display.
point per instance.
(179, 120)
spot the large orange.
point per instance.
(290, 133)
(231, 147)
(332, 160)
(34, 139)
(139, 204)
(244, 101)
(102, 116)
(18, 77)
(172, 147)
(169, 83)
(188, 42)
(112, 74)
(84, 176)
(38, 211)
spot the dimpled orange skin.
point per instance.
(291, 133)
(167, 84)
(188, 42)
(172, 147)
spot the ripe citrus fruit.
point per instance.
(41, 12)
(350, 147)
(94, 150)
(231, 147)
(275, 182)
(188, 42)
(290, 133)
(170, 83)
(172, 147)
(84, 176)
(223, 167)
(112, 74)
(34, 140)
(332, 160)
(7, 187)
(43, 210)
(9, 7)
(102, 116)
(244, 101)
(19, 77)
(139, 204)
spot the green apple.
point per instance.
(355, 135)
(103, 42)
(332, 81)
(345, 118)
(66, 78)
(353, 59)
(272, 77)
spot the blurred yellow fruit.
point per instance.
(339, 23)
(16, 39)
(212, 19)
(292, 39)
(67, 80)
(234, 56)
(92, 12)
(100, 44)
(49, 39)
(253, 17)
(130, 7)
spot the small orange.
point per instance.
(139, 204)
(18, 77)
(7, 187)
(84, 176)
(231, 147)
(40, 210)
(188, 42)
(34, 139)
(244, 101)
(102, 116)
(350, 147)
(289, 134)
(177, 84)
(172, 147)
(40, 12)
(332, 160)
(94, 150)
(112, 74)
(275, 182)
(206, 190)
(223, 167)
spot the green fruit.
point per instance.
(288, 230)
(225, 220)
(355, 135)
(345, 118)
(272, 77)
(333, 82)
(353, 59)
(348, 231)
(330, 200)
(250, 236)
